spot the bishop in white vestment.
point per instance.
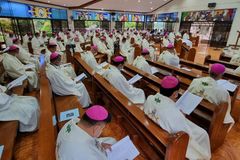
(145, 44)
(127, 51)
(79, 139)
(114, 76)
(141, 63)
(62, 84)
(208, 88)
(14, 68)
(169, 56)
(162, 110)
(24, 109)
(103, 48)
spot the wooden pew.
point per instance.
(187, 52)
(224, 57)
(83, 45)
(30, 49)
(64, 103)
(235, 112)
(227, 64)
(142, 130)
(8, 134)
(212, 114)
(194, 40)
(47, 133)
(178, 45)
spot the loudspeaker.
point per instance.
(212, 5)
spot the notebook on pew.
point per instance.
(16, 82)
(104, 64)
(134, 79)
(69, 114)
(80, 77)
(1, 151)
(227, 85)
(188, 102)
(65, 65)
(123, 150)
(154, 70)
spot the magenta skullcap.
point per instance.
(52, 44)
(76, 39)
(54, 55)
(145, 50)
(59, 38)
(170, 46)
(97, 113)
(95, 47)
(217, 68)
(118, 59)
(103, 38)
(169, 82)
(13, 48)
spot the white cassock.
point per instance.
(163, 111)
(235, 59)
(171, 37)
(178, 34)
(237, 71)
(63, 85)
(188, 42)
(25, 57)
(24, 109)
(186, 36)
(95, 40)
(15, 69)
(89, 58)
(169, 58)
(208, 88)
(114, 76)
(9, 41)
(141, 63)
(47, 56)
(103, 49)
(73, 143)
(25, 42)
(78, 48)
(44, 39)
(165, 42)
(127, 51)
(61, 34)
(60, 46)
(110, 44)
(36, 43)
(145, 44)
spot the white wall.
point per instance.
(194, 5)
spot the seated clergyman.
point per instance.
(114, 76)
(79, 139)
(162, 109)
(62, 84)
(25, 109)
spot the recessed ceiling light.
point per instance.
(102, 9)
(150, 2)
(139, 1)
(151, 8)
(64, 4)
(48, 1)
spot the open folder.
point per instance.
(134, 79)
(227, 85)
(123, 150)
(80, 77)
(188, 102)
(16, 82)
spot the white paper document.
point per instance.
(80, 77)
(134, 79)
(29, 66)
(104, 64)
(186, 69)
(123, 150)
(69, 114)
(66, 64)
(154, 70)
(227, 85)
(1, 151)
(16, 82)
(188, 102)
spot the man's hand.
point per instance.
(106, 146)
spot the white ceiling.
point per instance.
(129, 5)
(119, 5)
